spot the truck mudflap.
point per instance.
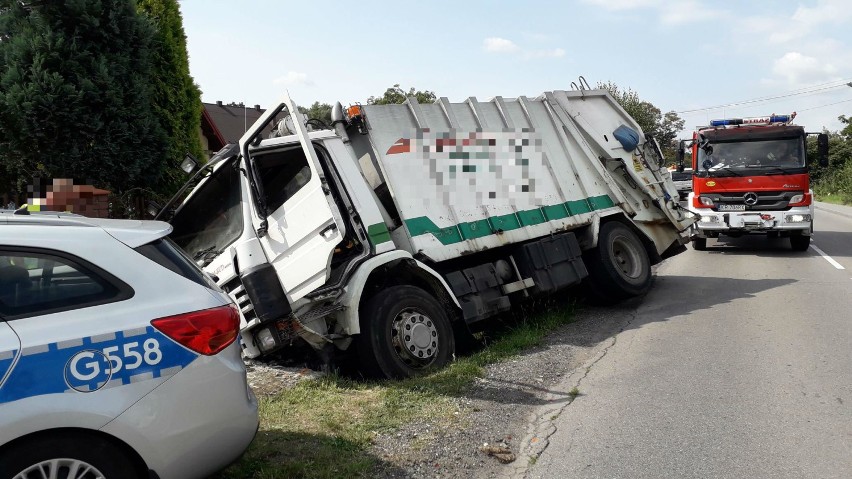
(677, 247)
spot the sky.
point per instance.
(702, 59)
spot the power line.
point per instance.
(835, 103)
(801, 91)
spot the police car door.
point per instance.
(303, 225)
(9, 348)
(79, 334)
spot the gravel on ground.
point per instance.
(502, 427)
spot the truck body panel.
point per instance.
(467, 177)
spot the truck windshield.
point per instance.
(212, 218)
(756, 157)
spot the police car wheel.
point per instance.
(72, 456)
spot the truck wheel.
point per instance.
(404, 332)
(67, 455)
(619, 267)
(699, 244)
(800, 242)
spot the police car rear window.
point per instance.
(41, 282)
(168, 255)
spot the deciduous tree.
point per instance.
(663, 127)
(318, 111)
(836, 179)
(396, 95)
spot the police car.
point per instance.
(117, 354)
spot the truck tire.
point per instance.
(699, 244)
(405, 332)
(800, 242)
(619, 267)
(59, 454)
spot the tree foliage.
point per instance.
(663, 127)
(176, 98)
(836, 179)
(396, 95)
(317, 111)
(75, 96)
(392, 96)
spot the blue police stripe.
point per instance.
(6, 362)
(49, 372)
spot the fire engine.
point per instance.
(751, 177)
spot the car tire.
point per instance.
(699, 244)
(619, 266)
(384, 350)
(59, 453)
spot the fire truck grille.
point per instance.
(765, 201)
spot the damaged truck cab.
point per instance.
(400, 223)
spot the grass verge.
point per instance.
(324, 428)
(833, 199)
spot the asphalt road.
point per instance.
(738, 364)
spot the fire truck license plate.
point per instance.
(732, 207)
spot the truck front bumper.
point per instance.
(797, 221)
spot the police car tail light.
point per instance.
(206, 332)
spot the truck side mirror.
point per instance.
(822, 149)
(680, 156)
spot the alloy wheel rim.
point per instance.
(60, 468)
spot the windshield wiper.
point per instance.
(725, 168)
(782, 171)
(199, 254)
(205, 256)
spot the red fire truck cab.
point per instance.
(750, 176)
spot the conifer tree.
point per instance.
(75, 94)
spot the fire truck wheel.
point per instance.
(800, 242)
(405, 332)
(699, 244)
(619, 267)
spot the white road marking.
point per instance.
(827, 257)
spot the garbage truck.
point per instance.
(398, 226)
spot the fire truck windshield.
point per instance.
(755, 157)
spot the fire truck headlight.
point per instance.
(797, 199)
(798, 218)
(705, 201)
(709, 219)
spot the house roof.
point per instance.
(228, 122)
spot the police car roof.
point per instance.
(133, 233)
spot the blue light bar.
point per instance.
(758, 120)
